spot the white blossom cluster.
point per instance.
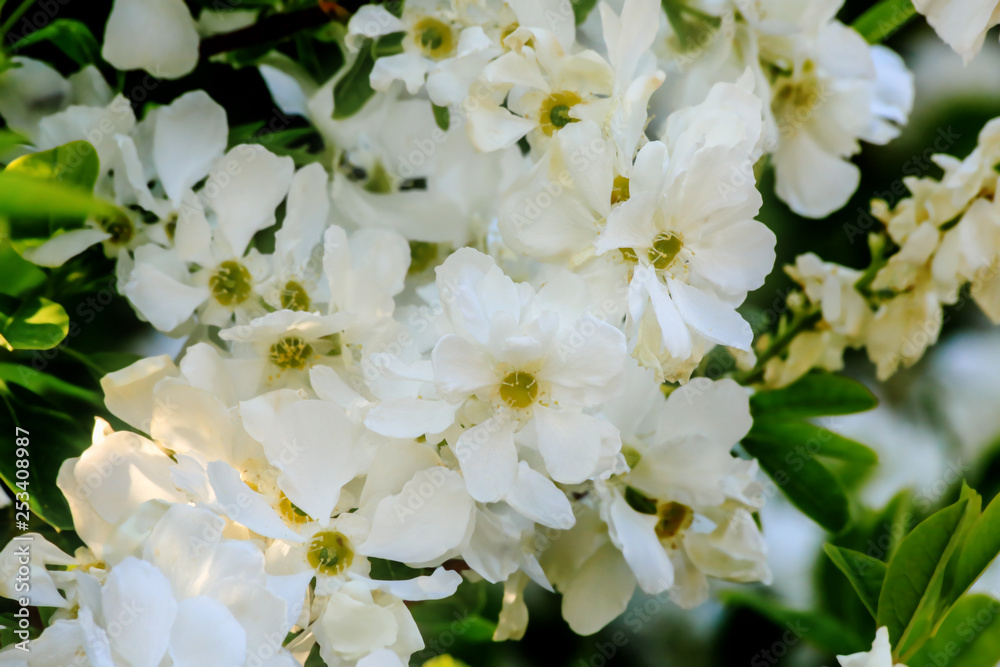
(451, 352)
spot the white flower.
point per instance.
(963, 24)
(879, 656)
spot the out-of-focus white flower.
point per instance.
(962, 24)
(880, 654)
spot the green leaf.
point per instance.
(810, 440)
(865, 573)
(460, 614)
(804, 480)
(815, 627)
(37, 324)
(353, 90)
(10, 139)
(968, 637)
(913, 579)
(816, 394)
(980, 549)
(581, 8)
(17, 275)
(884, 19)
(54, 437)
(442, 117)
(47, 386)
(72, 37)
(388, 45)
(75, 163)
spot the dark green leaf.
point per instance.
(981, 547)
(865, 573)
(581, 8)
(48, 386)
(354, 90)
(442, 117)
(638, 501)
(388, 45)
(810, 440)
(815, 627)
(38, 324)
(814, 395)
(804, 480)
(54, 437)
(72, 37)
(17, 275)
(968, 637)
(913, 579)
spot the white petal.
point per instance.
(440, 584)
(410, 68)
(428, 518)
(411, 417)
(137, 596)
(569, 443)
(189, 136)
(492, 129)
(128, 392)
(635, 535)
(488, 459)
(599, 592)
(62, 247)
(244, 189)
(244, 506)
(158, 36)
(710, 316)
(537, 498)
(460, 368)
(206, 635)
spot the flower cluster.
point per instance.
(458, 340)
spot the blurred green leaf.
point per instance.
(883, 19)
(581, 8)
(388, 45)
(74, 163)
(442, 117)
(72, 37)
(819, 629)
(9, 139)
(37, 324)
(460, 615)
(17, 275)
(913, 579)
(865, 573)
(816, 394)
(968, 637)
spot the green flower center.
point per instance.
(519, 389)
(330, 552)
(295, 297)
(434, 37)
(554, 112)
(673, 518)
(664, 250)
(379, 181)
(230, 284)
(120, 228)
(291, 352)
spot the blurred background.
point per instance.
(938, 422)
